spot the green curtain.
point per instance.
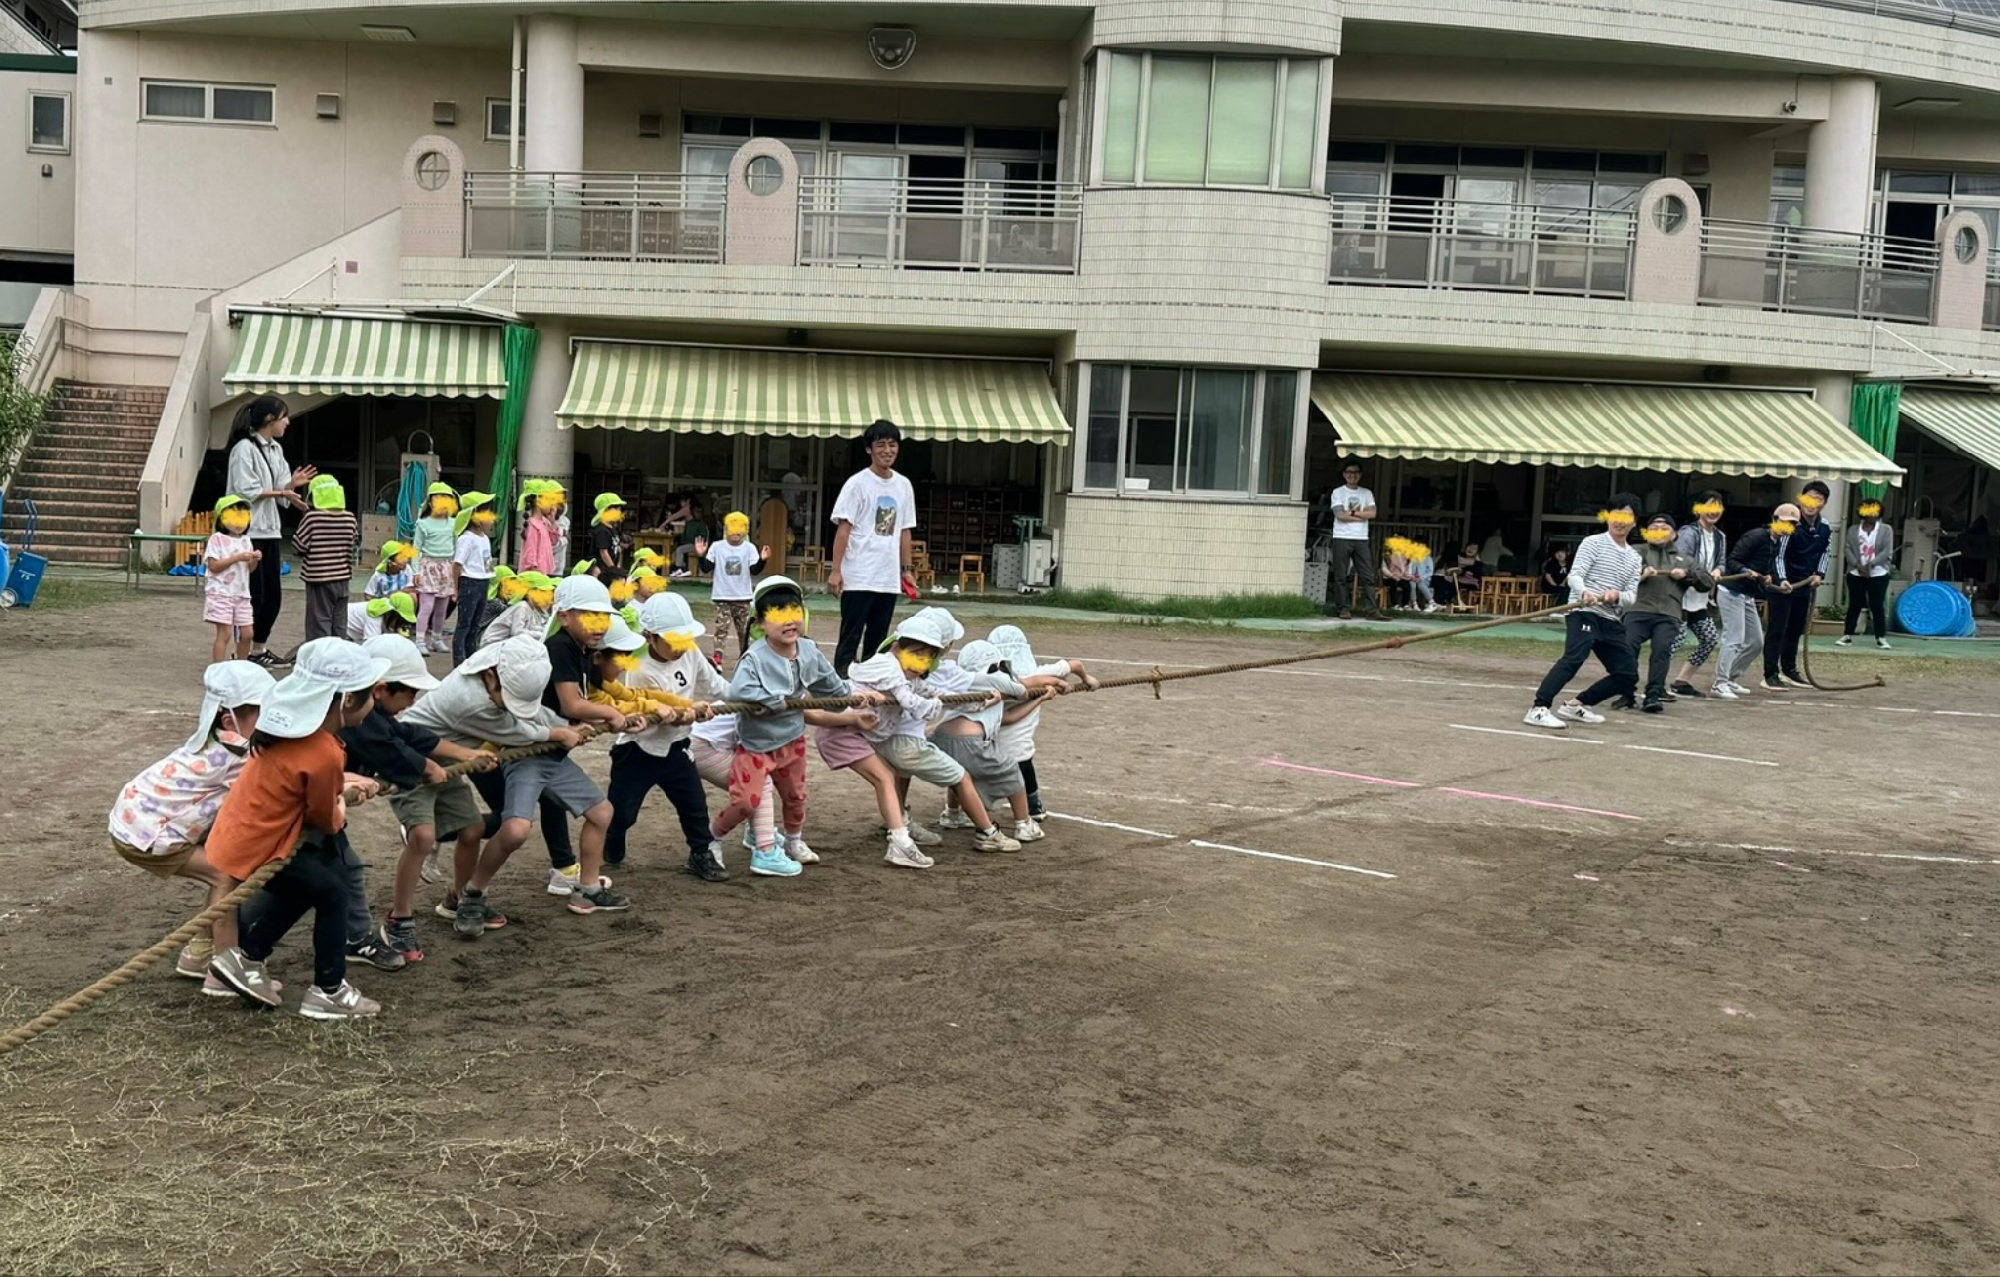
(1876, 408)
(519, 359)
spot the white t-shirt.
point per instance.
(1017, 739)
(474, 556)
(877, 511)
(233, 582)
(1869, 557)
(360, 626)
(735, 567)
(1354, 501)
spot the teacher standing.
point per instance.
(871, 550)
(259, 473)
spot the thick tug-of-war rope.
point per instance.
(21, 1035)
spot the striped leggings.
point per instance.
(1706, 636)
(715, 763)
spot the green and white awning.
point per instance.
(1966, 420)
(1682, 429)
(723, 390)
(341, 355)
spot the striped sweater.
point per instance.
(1602, 565)
(325, 542)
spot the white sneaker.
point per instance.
(1738, 688)
(1845, 640)
(1882, 643)
(953, 818)
(1723, 691)
(925, 837)
(562, 882)
(344, 1003)
(1027, 830)
(429, 870)
(1578, 712)
(995, 841)
(1541, 716)
(795, 847)
(904, 853)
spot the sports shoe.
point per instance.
(796, 848)
(928, 837)
(453, 908)
(1771, 685)
(1027, 830)
(344, 1003)
(708, 865)
(774, 864)
(563, 881)
(1793, 680)
(191, 964)
(1738, 688)
(1578, 712)
(214, 988)
(469, 918)
(1845, 640)
(1685, 688)
(266, 658)
(994, 840)
(429, 870)
(375, 953)
(1035, 809)
(1723, 691)
(1625, 702)
(599, 899)
(950, 818)
(1543, 716)
(1882, 643)
(1654, 705)
(400, 934)
(240, 972)
(905, 853)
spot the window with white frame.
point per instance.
(48, 122)
(193, 102)
(1229, 431)
(1174, 120)
(500, 119)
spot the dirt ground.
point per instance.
(1327, 969)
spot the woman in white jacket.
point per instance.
(1871, 552)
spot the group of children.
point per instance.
(265, 771)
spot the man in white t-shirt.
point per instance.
(871, 550)
(1353, 510)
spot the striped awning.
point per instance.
(721, 390)
(1682, 429)
(1966, 420)
(340, 355)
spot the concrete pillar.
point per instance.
(552, 122)
(546, 452)
(1666, 244)
(1840, 158)
(1834, 393)
(1960, 299)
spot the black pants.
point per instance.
(635, 774)
(326, 609)
(865, 618)
(1785, 619)
(1599, 636)
(266, 584)
(313, 880)
(1352, 560)
(1870, 592)
(1661, 631)
(471, 617)
(554, 822)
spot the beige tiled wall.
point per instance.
(1151, 547)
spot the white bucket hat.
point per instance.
(226, 685)
(947, 623)
(979, 656)
(322, 669)
(668, 613)
(620, 637)
(582, 594)
(1014, 649)
(406, 663)
(522, 662)
(925, 628)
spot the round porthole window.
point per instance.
(764, 175)
(1670, 214)
(432, 170)
(1965, 243)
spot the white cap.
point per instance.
(582, 594)
(1014, 649)
(522, 662)
(924, 628)
(226, 685)
(979, 656)
(406, 663)
(321, 670)
(620, 637)
(947, 623)
(668, 613)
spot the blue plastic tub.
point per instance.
(1935, 609)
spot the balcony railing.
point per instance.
(1769, 266)
(1966, 15)
(1992, 323)
(939, 224)
(1522, 248)
(625, 217)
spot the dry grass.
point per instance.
(145, 1141)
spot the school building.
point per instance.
(1132, 275)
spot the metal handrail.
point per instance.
(941, 223)
(1937, 13)
(1471, 244)
(1779, 267)
(603, 216)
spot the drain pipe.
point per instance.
(514, 99)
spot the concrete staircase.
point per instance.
(82, 472)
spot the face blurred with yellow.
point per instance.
(513, 590)
(736, 527)
(442, 507)
(917, 659)
(784, 623)
(611, 666)
(668, 647)
(483, 521)
(550, 504)
(587, 628)
(542, 599)
(647, 586)
(612, 516)
(235, 520)
(621, 591)
(1658, 532)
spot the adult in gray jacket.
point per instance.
(1871, 552)
(259, 473)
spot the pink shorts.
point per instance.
(841, 747)
(224, 609)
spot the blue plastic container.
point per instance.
(1935, 609)
(26, 575)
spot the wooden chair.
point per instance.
(812, 563)
(972, 567)
(920, 567)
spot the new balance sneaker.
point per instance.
(246, 976)
(1723, 691)
(994, 840)
(1027, 830)
(214, 988)
(928, 837)
(952, 818)
(400, 934)
(563, 881)
(1543, 716)
(191, 964)
(599, 899)
(1845, 640)
(1882, 643)
(376, 953)
(1578, 712)
(708, 865)
(344, 1003)
(905, 853)
(796, 848)
(1685, 688)
(774, 864)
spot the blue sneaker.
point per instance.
(774, 863)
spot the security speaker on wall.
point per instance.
(892, 47)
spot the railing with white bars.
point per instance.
(1771, 266)
(1992, 323)
(939, 223)
(662, 217)
(1438, 243)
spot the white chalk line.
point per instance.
(1184, 802)
(1109, 824)
(1567, 739)
(1834, 851)
(1689, 753)
(1221, 846)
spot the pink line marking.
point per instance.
(1322, 771)
(1534, 802)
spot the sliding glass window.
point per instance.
(1209, 121)
(1225, 431)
